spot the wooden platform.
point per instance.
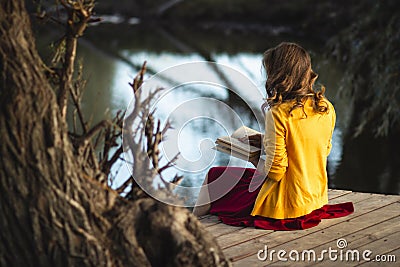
(374, 226)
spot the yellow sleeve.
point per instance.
(333, 127)
(275, 145)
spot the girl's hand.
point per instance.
(253, 140)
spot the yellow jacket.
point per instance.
(298, 147)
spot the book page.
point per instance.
(243, 131)
(232, 146)
(237, 145)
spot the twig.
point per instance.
(138, 81)
(122, 188)
(85, 138)
(79, 14)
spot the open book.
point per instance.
(232, 146)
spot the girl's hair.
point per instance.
(290, 77)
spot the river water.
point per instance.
(200, 112)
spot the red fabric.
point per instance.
(234, 208)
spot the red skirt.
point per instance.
(235, 206)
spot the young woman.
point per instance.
(299, 126)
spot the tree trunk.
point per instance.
(52, 214)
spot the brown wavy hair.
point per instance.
(290, 77)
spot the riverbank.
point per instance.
(321, 19)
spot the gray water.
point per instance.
(113, 54)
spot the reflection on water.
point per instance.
(112, 62)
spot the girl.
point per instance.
(299, 125)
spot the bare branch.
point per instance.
(127, 183)
(79, 14)
(138, 81)
(93, 131)
(169, 164)
(177, 179)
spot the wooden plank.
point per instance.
(278, 238)
(391, 258)
(334, 193)
(383, 248)
(375, 232)
(355, 227)
(365, 236)
(369, 222)
(210, 221)
(222, 229)
(235, 252)
(241, 236)
(351, 197)
(332, 234)
(204, 217)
